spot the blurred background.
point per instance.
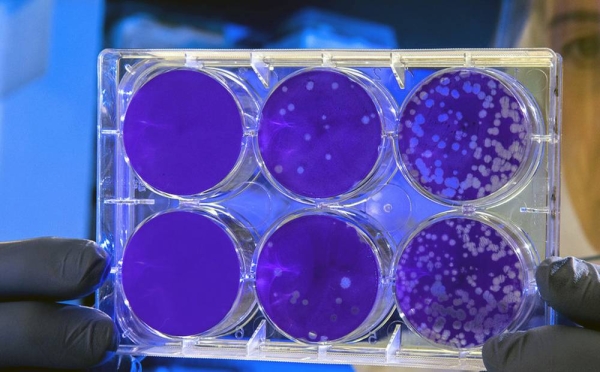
(48, 80)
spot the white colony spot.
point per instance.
(451, 182)
(365, 119)
(345, 282)
(312, 335)
(448, 193)
(516, 128)
(455, 146)
(412, 111)
(310, 85)
(284, 89)
(493, 131)
(444, 91)
(307, 137)
(338, 300)
(429, 103)
(439, 324)
(334, 85)
(300, 170)
(278, 169)
(270, 244)
(446, 335)
(327, 156)
(445, 80)
(373, 116)
(323, 117)
(467, 87)
(305, 302)
(413, 142)
(326, 126)
(294, 297)
(423, 95)
(291, 107)
(416, 129)
(422, 167)
(282, 112)
(482, 114)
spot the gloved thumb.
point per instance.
(51, 335)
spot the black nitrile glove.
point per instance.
(34, 330)
(572, 287)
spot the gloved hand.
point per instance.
(572, 287)
(34, 330)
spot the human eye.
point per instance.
(583, 51)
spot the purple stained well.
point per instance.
(317, 278)
(463, 134)
(181, 273)
(459, 282)
(183, 132)
(320, 133)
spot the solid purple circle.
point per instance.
(320, 133)
(459, 282)
(463, 134)
(317, 278)
(183, 132)
(181, 273)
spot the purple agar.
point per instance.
(464, 134)
(181, 273)
(182, 132)
(320, 133)
(459, 282)
(317, 278)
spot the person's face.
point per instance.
(574, 27)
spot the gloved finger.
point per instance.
(572, 287)
(50, 335)
(544, 349)
(51, 268)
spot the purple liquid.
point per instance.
(319, 134)
(183, 132)
(459, 282)
(317, 278)
(463, 135)
(181, 273)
